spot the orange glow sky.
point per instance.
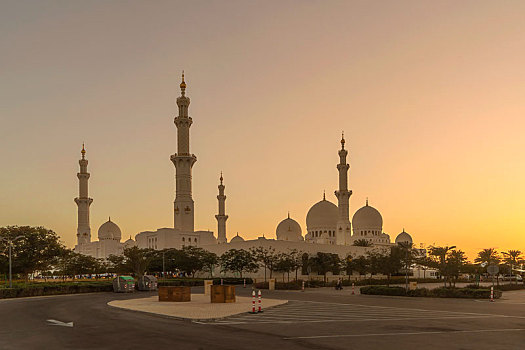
(430, 95)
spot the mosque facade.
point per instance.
(328, 226)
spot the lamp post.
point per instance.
(9, 242)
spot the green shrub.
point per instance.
(55, 288)
(505, 287)
(383, 290)
(295, 285)
(193, 282)
(475, 293)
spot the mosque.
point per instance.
(328, 226)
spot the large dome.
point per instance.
(322, 214)
(403, 237)
(367, 218)
(289, 230)
(109, 230)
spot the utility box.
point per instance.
(147, 283)
(124, 284)
(175, 293)
(222, 294)
(207, 286)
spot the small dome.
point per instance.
(289, 230)
(109, 230)
(403, 237)
(322, 214)
(129, 242)
(367, 217)
(237, 239)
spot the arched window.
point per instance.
(195, 239)
(183, 239)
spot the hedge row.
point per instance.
(55, 289)
(475, 293)
(193, 282)
(296, 285)
(502, 287)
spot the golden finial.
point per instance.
(221, 178)
(83, 151)
(183, 83)
(367, 201)
(324, 195)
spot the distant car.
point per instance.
(512, 278)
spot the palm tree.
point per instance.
(512, 257)
(362, 243)
(440, 253)
(488, 256)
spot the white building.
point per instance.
(328, 226)
(109, 234)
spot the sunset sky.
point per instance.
(430, 94)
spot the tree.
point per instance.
(360, 264)
(72, 264)
(134, 260)
(456, 260)
(238, 260)
(513, 258)
(209, 261)
(488, 256)
(439, 258)
(296, 260)
(190, 260)
(38, 248)
(322, 263)
(362, 243)
(386, 263)
(265, 257)
(284, 263)
(407, 258)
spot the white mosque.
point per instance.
(328, 226)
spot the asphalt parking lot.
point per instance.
(316, 319)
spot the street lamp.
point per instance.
(9, 242)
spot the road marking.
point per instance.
(408, 333)
(318, 312)
(307, 320)
(60, 323)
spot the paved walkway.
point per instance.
(199, 308)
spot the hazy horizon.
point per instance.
(429, 95)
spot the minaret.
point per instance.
(343, 232)
(221, 217)
(183, 161)
(83, 202)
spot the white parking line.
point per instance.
(318, 312)
(407, 333)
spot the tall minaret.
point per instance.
(83, 201)
(343, 232)
(221, 217)
(183, 161)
